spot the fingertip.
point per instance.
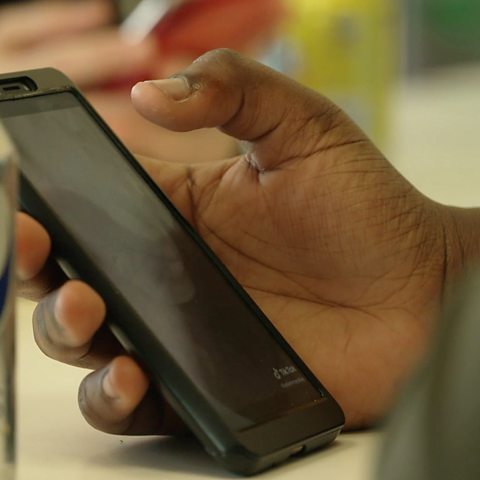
(33, 246)
(125, 383)
(158, 101)
(113, 399)
(139, 95)
(211, 92)
(79, 310)
(146, 100)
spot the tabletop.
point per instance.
(55, 443)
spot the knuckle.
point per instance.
(219, 68)
(222, 56)
(40, 332)
(85, 403)
(97, 408)
(35, 289)
(51, 345)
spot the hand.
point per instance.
(79, 39)
(74, 37)
(344, 256)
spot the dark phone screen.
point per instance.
(133, 238)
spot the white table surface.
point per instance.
(436, 144)
(55, 443)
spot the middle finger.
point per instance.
(68, 326)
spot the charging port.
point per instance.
(17, 85)
(297, 451)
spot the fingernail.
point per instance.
(108, 387)
(177, 88)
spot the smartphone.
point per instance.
(213, 354)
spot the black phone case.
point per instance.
(245, 452)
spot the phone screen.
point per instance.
(186, 302)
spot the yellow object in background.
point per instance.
(346, 50)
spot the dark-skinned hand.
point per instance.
(345, 257)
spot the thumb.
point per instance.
(282, 119)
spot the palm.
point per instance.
(339, 250)
(347, 282)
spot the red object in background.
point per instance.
(201, 25)
(198, 26)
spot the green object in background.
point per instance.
(443, 32)
(455, 18)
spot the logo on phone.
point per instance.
(280, 373)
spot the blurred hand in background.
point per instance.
(75, 37)
(81, 39)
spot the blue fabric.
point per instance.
(4, 284)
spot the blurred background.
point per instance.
(409, 73)
(406, 71)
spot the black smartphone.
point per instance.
(211, 351)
